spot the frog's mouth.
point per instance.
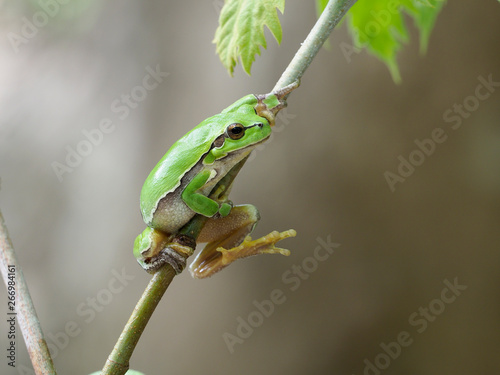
(245, 152)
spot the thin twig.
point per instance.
(118, 361)
(331, 16)
(26, 315)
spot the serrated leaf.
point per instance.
(378, 26)
(241, 30)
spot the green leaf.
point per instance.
(241, 30)
(378, 26)
(425, 16)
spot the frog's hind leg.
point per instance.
(153, 248)
(228, 240)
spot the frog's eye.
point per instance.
(235, 131)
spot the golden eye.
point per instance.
(235, 131)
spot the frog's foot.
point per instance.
(213, 258)
(249, 247)
(175, 253)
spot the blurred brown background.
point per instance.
(322, 174)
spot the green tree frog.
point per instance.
(182, 185)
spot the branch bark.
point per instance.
(24, 308)
(334, 11)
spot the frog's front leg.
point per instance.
(200, 203)
(228, 240)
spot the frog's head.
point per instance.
(268, 105)
(242, 129)
(248, 122)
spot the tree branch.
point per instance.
(26, 314)
(331, 16)
(118, 361)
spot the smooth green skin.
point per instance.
(186, 153)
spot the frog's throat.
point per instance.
(263, 109)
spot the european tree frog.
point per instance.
(180, 184)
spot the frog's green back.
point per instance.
(183, 155)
